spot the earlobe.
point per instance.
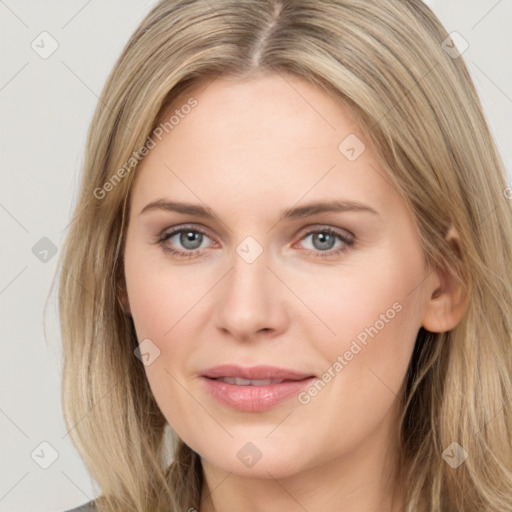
(448, 296)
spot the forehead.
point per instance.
(273, 136)
(265, 110)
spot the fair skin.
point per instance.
(249, 150)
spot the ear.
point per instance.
(122, 296)
(448, 298)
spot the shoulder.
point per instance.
(88, 507)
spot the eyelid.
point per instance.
(170, 232)
(315, 228)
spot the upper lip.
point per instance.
(259, 372)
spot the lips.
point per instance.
(249, 382)
(254, 389)
(254, 373)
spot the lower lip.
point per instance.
(255, 398)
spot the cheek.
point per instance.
(167, 304)
(376, 315)
(161, 307)
(378, 299)
(162, 297)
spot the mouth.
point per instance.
(238, 381)
(255, 374)
(254, 389)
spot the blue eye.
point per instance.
(324, 240)
(191, 239)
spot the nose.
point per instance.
(251, 300)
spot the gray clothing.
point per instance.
(88, 507)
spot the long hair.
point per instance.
(387, 62)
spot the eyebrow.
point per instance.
(296, 212)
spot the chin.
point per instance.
(260, 459)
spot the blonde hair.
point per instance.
(417, 105)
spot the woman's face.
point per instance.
(295, 254)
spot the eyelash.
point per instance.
(196, 253)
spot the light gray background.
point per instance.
(45, 107)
